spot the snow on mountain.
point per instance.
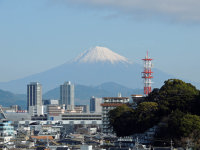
(100, 54)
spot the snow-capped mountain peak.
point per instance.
(100, 54)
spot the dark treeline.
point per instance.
(174, 108)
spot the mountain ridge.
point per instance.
(82, 94)
(8, 98)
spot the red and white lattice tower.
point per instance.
(147, 74)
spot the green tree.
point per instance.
(175, 94)
(175, 106)
(123, 125)
(174, 123)
(146, 116)
(189, 124)
(195, 105)
(126, 121)
(181, 126)
(117, 112)
(185, 126)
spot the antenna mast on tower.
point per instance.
(147, 74)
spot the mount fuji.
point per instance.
(100, 54)
(93, 67)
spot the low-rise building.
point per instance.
(86, 147)
(6, 131)
(82, 116)
(54, 112)
(84, 107)
(137, 98)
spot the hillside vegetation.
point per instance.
(174, 108)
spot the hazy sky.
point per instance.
(36, 35)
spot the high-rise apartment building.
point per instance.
(95, 105)
(34, 98)
(67, 95)
(108, 104)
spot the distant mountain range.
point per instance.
(93, 67)
(7, 99)
(82, 94)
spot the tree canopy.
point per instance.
(175, 94)
(126, 121)
(176, 101)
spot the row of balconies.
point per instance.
(116, 101)
(81, 119)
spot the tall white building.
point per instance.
(95, 105)
(34, 98)
(67, 95)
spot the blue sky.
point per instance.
(36, 35)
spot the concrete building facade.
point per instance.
(108, 104)
(34, 98)
(6, 131)
(54, 112)
(95, 105)
(67, 95)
